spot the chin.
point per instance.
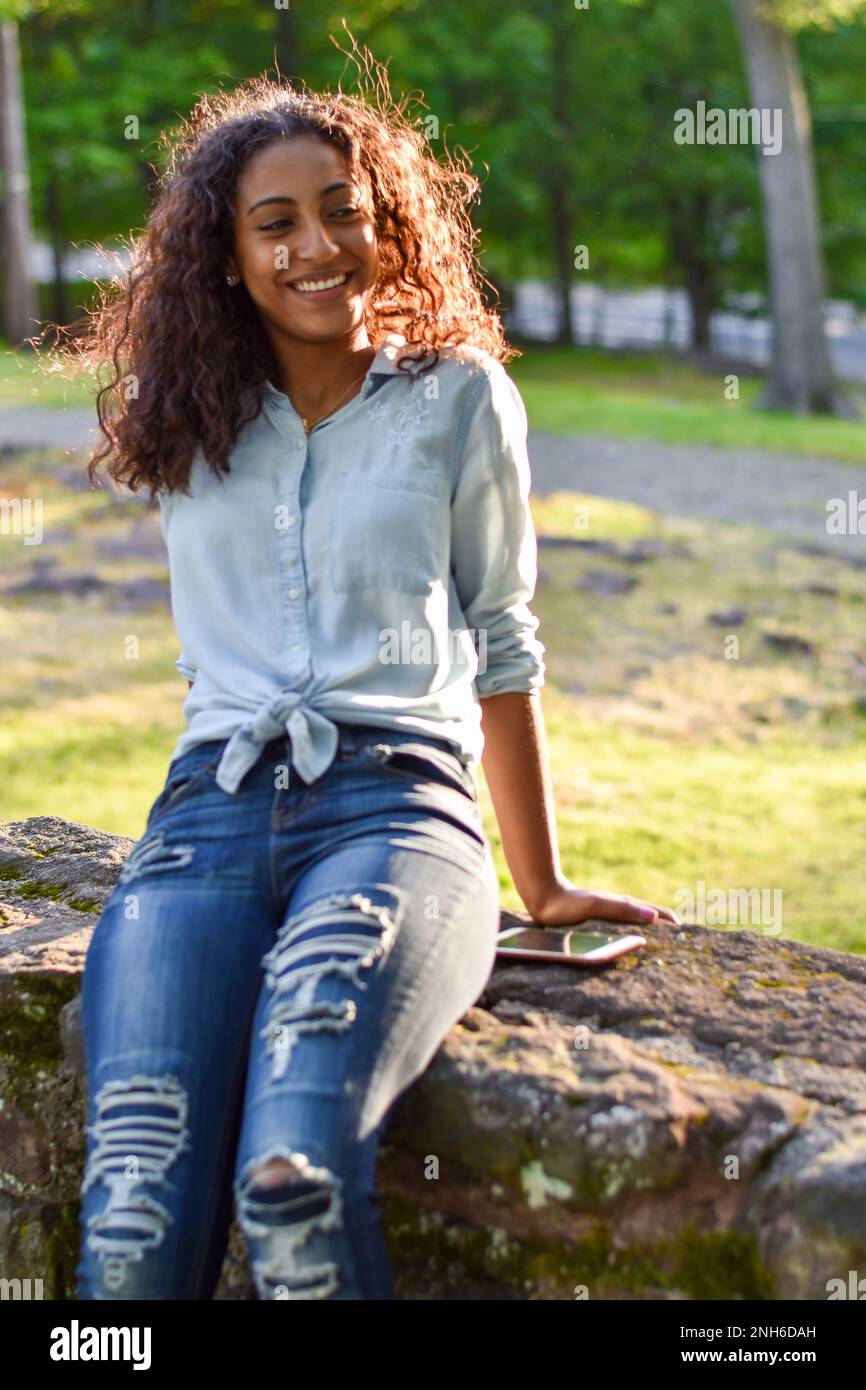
(331, 326)
(325, 332)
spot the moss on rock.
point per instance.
(438, 1256)
(30, 1032)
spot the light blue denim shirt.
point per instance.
(375, 572)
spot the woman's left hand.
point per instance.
(565, 904)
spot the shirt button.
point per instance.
(299, 443)
(293, 593)
(290, 521)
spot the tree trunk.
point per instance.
(287, 45)
(21, 307)
(801, 376)
(558, 183)
(54, 218)
(700, 295)
(689, 238)
(563, 254)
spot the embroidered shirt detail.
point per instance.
(408, 415)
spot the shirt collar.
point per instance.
(279, 407)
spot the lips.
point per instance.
(315, 279)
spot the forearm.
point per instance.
(516, 766)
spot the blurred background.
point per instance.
(691, 317)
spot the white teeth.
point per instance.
(308, 286)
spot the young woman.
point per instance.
(309, 379)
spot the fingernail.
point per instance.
(647, 914)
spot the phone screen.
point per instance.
(567, 943)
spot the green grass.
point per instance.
(91, 698)
(24, 380)
(678, 754)
(654, 396)
(683, 750)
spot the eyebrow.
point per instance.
(284, 198)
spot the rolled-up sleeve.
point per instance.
(494, 552)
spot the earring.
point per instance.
(231, 280)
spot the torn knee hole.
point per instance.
(290, 1192)
(286, 1220)
(276, 1173)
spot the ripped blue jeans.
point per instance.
(272, 969)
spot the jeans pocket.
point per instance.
(417, 760)
(179, 785)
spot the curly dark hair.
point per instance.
(193, 346)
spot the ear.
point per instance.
(231, 268)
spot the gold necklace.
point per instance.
(307, 426)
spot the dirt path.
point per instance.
(781, 491)
(40, 427)
(784, 492)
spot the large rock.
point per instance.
(689, 1123)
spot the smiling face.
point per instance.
(300, 220)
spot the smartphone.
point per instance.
(563, 945)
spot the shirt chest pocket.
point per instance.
(387, 534)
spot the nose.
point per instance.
(314, 243)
